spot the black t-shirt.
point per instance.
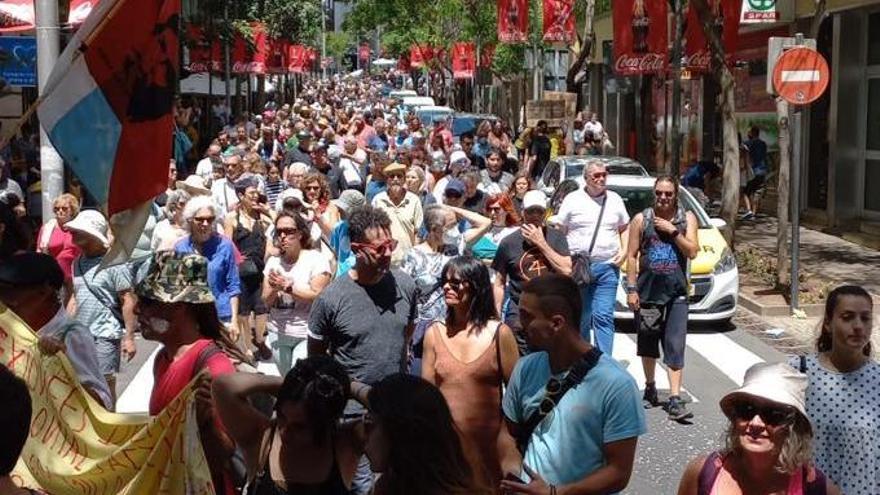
(521, 262)
(297, 155)
(476, 203)
(477, 161)
(540, 149)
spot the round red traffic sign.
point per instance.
(801, 76)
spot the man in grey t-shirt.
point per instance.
(364, 319)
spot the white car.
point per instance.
(430, 114)
(714, 277)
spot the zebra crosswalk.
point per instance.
(730, 357)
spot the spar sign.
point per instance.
(767, 11)
(801, 76)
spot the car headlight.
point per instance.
(726, 263)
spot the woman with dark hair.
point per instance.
(522, 183)
(469, 357)
(292, 280)
(176, 308)
(843, 395)
(304, 449)
(768, 444)
(15, 416)
(412, 440)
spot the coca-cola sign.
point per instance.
(725, 23)
(640, 37)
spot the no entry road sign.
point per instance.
(801, 76)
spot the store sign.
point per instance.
(640, 37)
(20, 54)
(767, 11)
(725, 14)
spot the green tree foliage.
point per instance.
(297, 20)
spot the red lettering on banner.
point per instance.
(66, 402)
(39, 419)
(15, 357)
(82, 427)
(109, 440)
(3, 336)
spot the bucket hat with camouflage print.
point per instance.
(174, 278)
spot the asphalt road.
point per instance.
(715, 361)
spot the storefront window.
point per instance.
(874, 39)
(872, 185)
(873, 124)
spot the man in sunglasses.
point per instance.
(404, 209)
(365, 317)
(574, 411)
(662, 240)
(595, 220)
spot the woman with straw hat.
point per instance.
(768, 444)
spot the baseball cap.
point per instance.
(349, 200)
(455, 185)
(459, 156)
(30, 269)
(534, 199)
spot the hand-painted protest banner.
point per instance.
(76, 446)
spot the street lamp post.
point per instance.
(675, 165)
(48, 42)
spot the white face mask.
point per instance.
(159, 325)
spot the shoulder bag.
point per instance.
(554, 391)
(581, 269)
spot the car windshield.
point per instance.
(428, 117)
(575, 169)
(637, 199)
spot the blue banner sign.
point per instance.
(18, 60)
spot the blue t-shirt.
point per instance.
(222, 270)
(567, 446)
(341, 245)
(374, 187)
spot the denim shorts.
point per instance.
(109, 351)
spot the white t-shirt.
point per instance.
(290, 315)
(579, 213)
(205, 168)
(594, 128)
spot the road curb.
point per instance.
(760, 309)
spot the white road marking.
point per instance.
(625, 349)
(729, 357)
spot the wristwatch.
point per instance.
(632, 289)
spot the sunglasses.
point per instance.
(204, 220)
(664, 194)
(383, 248)
(286, 232)
(454, 283)
(493, 209)
(599, 175)
(453, 195)
(770, 415)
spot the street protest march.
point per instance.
(76, 446)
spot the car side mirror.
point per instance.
(718, 223)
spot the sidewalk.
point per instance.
(830, 257)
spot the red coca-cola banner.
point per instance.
(513, 21)
(364, 52)
(17, 15)
(420, 55)
(463, 61)
(640, 37)
(79, 10)
(726, 14)
(487, 55)
(260, 58)
(559, 20)
(296, 59)
(206, 55)
(278, 51)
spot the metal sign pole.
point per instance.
(795, 191)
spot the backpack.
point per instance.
(712, 467)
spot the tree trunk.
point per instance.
(586, 47)
(730, 180)
(782, 191)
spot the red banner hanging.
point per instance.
(463, 61)
(260, 58)
(403, 63)
(513, 21)
(420, 55)
(296, 58)
(79, 10)
(278, 51)
(559, 20)
(640, 37)
(17, 15)
(726, 14)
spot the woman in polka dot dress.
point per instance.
(843, 395)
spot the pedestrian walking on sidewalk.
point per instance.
(662, 240)
(767, 447)
(843, 393)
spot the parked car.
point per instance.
(400, 94)
(572, 167)
(411, 103)
(430, 114)
(714, 277)
(464, 122)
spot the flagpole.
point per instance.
(48, 43)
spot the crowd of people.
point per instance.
(439, 325)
